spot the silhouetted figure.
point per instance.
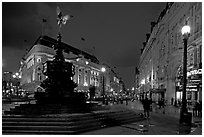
(126, 100)
(172, 101)
(179, 103)
(175, 103)
(161, 103)
(146, 105)
(195, 108)
(199, 108)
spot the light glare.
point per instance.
(103, 69)
(185, 30)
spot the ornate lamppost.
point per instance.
(103, 70)
(184, 115)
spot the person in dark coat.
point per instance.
(146, 105)
(172, 101)
(199, 108)
(195, 108)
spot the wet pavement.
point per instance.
(157, 124)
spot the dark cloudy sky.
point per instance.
(115, 29)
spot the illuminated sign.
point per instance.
(191, 89)
(143, 81)
(194, 72)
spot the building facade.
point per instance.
(10, 85)
(160, 67)
(87, 67)
(136, 83)
(114, 84)
(7, 84)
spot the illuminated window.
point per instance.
(30, 63)
(33, 77)
(79, 79)
(85, 80)
(39, 77)
(92, 80)
(38, 59)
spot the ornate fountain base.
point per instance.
(73, 98)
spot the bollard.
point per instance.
(185, 126)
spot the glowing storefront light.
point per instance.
(178, 95)
(133, 88)
(143, 82)
(85, 84)
(194, 72)
(148, 78)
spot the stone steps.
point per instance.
(31, 109)
(66, 123)
(49, 125)
(117, 117)
(31, 132)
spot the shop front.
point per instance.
(157, 94)
(193, 88)
(194, 85)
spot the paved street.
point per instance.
(159, 124)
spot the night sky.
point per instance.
(112, 31)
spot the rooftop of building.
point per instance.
(49, 42)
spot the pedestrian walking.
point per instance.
(172, 101)
(195, 108)
(199, 108)
(146, 106)
(126, 100)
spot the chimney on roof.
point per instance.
(147, 37)
(153, 23)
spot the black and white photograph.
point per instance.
(101, 68)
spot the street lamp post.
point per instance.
(16, 78)
(185, 32)
(103, 69)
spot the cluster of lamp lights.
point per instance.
(16, 75)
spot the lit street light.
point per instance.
(16, 81)
(184, 115)
(103, 69)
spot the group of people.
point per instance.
(146, 106)
(197, 108)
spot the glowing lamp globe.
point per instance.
(103, 69)
(185, 30)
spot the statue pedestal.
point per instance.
(72, 99)
(59, 86)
